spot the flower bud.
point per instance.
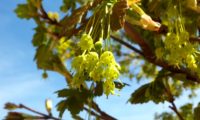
(48, 105)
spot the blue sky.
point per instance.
(21, 81)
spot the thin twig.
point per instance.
(195, 39)
(171, 100)
(131, 32)
(39, 113)
(174, 108)
(126, 44)
(92, 112)
(26, 117)
(45, 16)
(103, 114)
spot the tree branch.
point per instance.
(126, 44)
(14, 116)
(174, 108)
(138, 39)
(39, 113)
(193, 39)
(45, 16)
(103, 115)
(92, 112)
(171, 100)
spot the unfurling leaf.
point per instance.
(148, 24)
(19, 116)
(48, 105)
(11, 106)
(14, 116)
(117, 18)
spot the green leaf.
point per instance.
(72, 4)
(47, 60)
(72, 104)
(42, 57)
(69, 22)
(35, 3)
(26, 11)
(165, 116)
(74, 100)
(81, 94)
(149, 70)
(186, 111)
(39, 37)
(65, 92)
(67, 4)
(154, 91)
(61, 107)
(139, 95)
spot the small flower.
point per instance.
(86, 42)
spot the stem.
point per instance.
(39, 113)
(171, 100)
(174, 108)
(103, 114)
(92, 112)
(45, 16)
(131, 32)
(126, 44)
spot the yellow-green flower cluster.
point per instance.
(86, 42)
(62, 46)
(98, 67)
(178, 50)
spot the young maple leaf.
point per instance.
(148, 24)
